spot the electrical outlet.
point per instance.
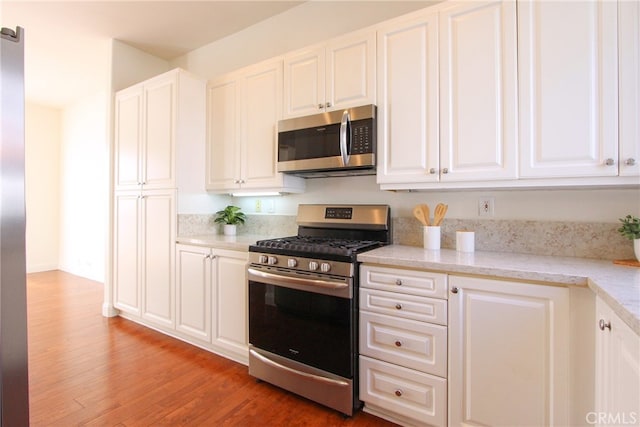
(486, 206)
(271, 206)
(258, 205)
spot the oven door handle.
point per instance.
(297, 282)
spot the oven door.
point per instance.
(308, 319)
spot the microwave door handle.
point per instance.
(345, 137)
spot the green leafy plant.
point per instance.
(630, 227)
(230, 215)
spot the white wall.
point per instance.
(84, 182)
(42, 172)
(585, 205)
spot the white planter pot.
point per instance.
(229, 230)
(636, 248)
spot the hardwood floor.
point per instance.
(85, 369)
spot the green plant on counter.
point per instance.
(630, 227)
(230, 215)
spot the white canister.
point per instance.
(431, 237)
(465, 241)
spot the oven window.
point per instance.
(310, 328)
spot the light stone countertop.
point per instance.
(618, 286)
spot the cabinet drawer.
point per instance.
(411, 282)
(404, 306)
(416, 345)
(409, 393)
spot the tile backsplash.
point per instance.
(555, 238)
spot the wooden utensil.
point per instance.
(426, 213)
(419, 214)
(439, 213)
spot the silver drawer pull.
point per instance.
(398, 306)
(398, 343)
(398, 392)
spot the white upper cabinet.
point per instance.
(339, 74)
(154, 121)
(567, 53)
(408, 148)
(478, 91)
(629, 101)
(243, 111)
(448, 96)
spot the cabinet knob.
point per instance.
(445, 170)
(328, 104)
(630, 162)
(398, 282)
(609, 162)
(398, 343)
(454, 290)
(398, 392)
(604, 325)
(398, 306)
(432, 171)
(320, 106)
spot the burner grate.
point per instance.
(318, 245)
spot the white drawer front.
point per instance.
(411, 282)
(405, 306)
(412, 394)
(416, 345)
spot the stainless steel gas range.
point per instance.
(303, 302)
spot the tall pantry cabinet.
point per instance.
(156, 122)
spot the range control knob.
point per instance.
(325, 267)
(292, 262)
(313, 266)
(272, 260)
(262, 259)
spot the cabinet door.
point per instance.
(230, 303)
(408, 100)
(158, 245)
(126, 252)
(223, 122)
(351, 71)
(193, 291)
(261, 109)
(617, 370)
(158, 158)
(567, 54)
(478, 91)
(304, 83)
(508, 353)
(629, 69)
(128, 138)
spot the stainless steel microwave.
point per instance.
(337, 143)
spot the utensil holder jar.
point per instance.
(431, 237)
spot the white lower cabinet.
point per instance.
(508, 353)
(211, 299)
(403, 345)
(617, 371)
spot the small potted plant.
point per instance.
(630, 229)
(230, 216)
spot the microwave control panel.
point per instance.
(361, 142)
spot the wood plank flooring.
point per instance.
(85, 369)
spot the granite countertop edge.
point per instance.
(618, 286)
